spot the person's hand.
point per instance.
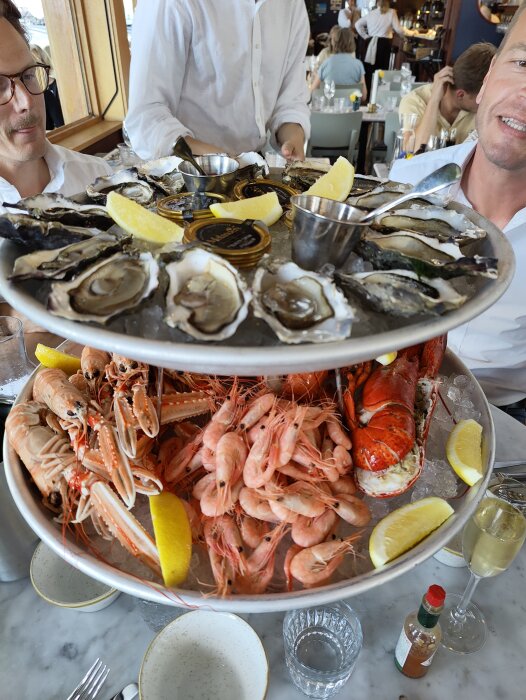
(292, 151)
(291, 138)
(441, 80)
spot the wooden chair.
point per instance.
(334, 134)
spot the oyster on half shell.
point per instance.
(163, 174)
(444, 224)
(401, 293)
(105, 289)
(56, 207)
(33, 234)
(302, 174)
(125, 182)
(207, 297)
(299, 305)
(61, 263)
(387, 192)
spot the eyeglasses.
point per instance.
(35, 79)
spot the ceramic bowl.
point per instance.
(204, 654)
(59, 583)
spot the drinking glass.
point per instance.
(340, 104)
(329, 89)
(491, 541)
(322, 645)
(15, 366)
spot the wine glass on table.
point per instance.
(329, 90)
(491, 541)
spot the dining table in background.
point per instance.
(46, 649)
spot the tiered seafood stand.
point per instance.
(255, 351)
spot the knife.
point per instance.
(128, 693)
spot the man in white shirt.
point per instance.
(493, 345)
(29, 164)
(221, 73)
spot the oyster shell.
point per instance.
(105, 289)
(438, 222)
(207, 298)
(299, 305)
(424, 255)
(303, 174)
(37, 235)
(383, 194)
(62, 263)
(402, 292)
(56, 207)
(163, 174)
(125, 182)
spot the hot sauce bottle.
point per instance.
(420, 635)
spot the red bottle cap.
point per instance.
(435, 596)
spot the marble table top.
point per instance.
(45, 649)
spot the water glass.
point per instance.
(15, 366)
(322, 645)
(319, 103)
(340, 104)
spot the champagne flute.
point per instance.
(329, 89)
(491, 541)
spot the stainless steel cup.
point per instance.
(220, 174)
(323, 231)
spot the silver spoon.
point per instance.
(443, 177)
(182, 149)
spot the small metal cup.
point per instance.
(323, 231)
(220, 169)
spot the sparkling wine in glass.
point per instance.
(329, 89)
(491, 541)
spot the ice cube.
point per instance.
(461, 381)
(454, 393)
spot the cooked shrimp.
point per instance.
(338, 434)
(256, 505)
(352, 509)
(345, 484)
(93, 365)
(300, 497)
(306, 532)
(256, 410)
(289, 556)
(314, 565)
(252, 530)
(230, 457)
(290, 434)
(259, 468)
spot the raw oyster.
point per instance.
(303, 174)
(125, 182)
(299, 305)
(105, 289)
(62, 263)
(37, 235)
(424, 255)
(444, 224)
(363, 184)
(402, 292)
(207, 298)
(56, 207)
(163, 174)
(383, 194)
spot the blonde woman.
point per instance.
(341, 66)
(377, 27)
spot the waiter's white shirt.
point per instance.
(70, 172)
(380, 25)
(343, 20)
(493, 345)
(222, 71)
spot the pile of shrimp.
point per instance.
(264, 468)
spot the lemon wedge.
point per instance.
(51, 357)
(173, 537)
(140, 222)
(264, 208)
(335, 184)
(387, 358)
(405, 527)
(464, 451)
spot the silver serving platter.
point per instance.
(254, 349)
(40, 520)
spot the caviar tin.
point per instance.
(241, 242)
(255, 188)
(188, 206)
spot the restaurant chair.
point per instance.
(334, 134)
(392, 76)
(395, 86)
(390, 98)
(391, 128)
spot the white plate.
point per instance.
(254, 350)
(61, 584)
(205, 656)
(40, 520)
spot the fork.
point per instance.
(89, 686)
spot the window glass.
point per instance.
(52, 33)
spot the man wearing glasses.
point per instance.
(29, 163)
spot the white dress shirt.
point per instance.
(343, 20)
(221, 71)
(70, 172)
(493, 345)
(380, 25)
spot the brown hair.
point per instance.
(471, 67)
(10, 12)
(342, 40)
(384, 6)
(518, 12)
